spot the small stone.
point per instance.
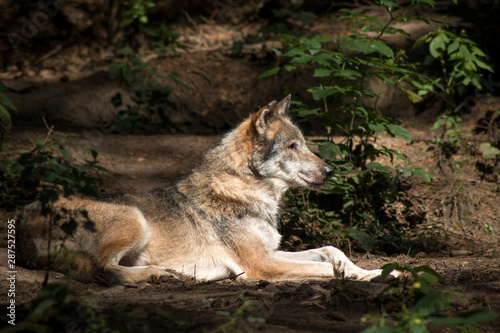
(459, 253)
(142, 285)
(421, 255)
(117, 289)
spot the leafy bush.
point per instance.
(462, 63)
(460, 59)
(145, 85)
(343, 68)
(46, 170)
(418, 304)
(53, 311)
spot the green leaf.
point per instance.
(322, 72)
(389, 4)
(429, 277)
(386, 79)
(114, 68)
(322, 93)
(376, 127)
(367, 46)
(312, 43)
(379, 167)
(387, 269)
(4, 100)
(438, 45)
(126, 51)
(453, 47)
(329, 150)
(382, 48)
(269, 73)
(429, 2)
(422, 174)
(477, 51)
(94, 153)
(68, 157)
(483, 65)
(412, 97)
(348, 73)
(293, 52)
(399, 132)
(143, 19)
(5, 120)
(488, 150)
(302, 59)
(464, 52)
(419, 42)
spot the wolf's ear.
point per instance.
(266, 115)
(284, 105)
(263, 117)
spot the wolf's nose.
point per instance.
(328, 171)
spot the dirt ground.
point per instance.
(468, 262)
(70, 87)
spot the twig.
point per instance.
(50, 129)
(203, 75)
(49, 54)
(191, 20)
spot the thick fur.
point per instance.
(219, 221)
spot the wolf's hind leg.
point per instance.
(121, 249)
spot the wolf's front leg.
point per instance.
(342, 266)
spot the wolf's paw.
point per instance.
(366, 275)
(374, 275)
(163, 274)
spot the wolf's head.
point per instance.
(279, 149)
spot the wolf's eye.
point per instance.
(293, 146)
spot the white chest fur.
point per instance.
(266, 233)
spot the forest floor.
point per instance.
(468, 261)
(462, 206)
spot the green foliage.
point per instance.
(52, 312)
(460, 58)
(137, 11)
(240, 318)
(164, 40)
(343, 68)
(419, 304)
(46, 170)
(462, 63)
(489, 151)
(145, 86)
(6, 108)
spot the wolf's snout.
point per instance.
(328, 171)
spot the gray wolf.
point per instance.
(219, 221)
